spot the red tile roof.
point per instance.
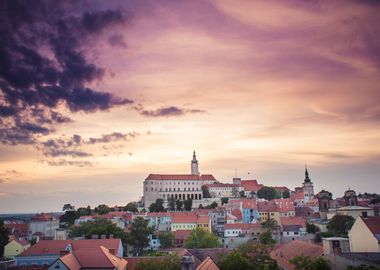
(186, 177)
(159, 214)
(282, 189)
(284, 205)
(20, 230)
(251, 185)
(181, 234)
(189, 217)
(42, 217)
(56, 246)
(288, 251)
(243, 226)
(249, 203)
(133, 261)
(293, 221)
(373, 224)
(266, 206)
(207, 264)
(297, 196)
(222, 185)
(237, 213)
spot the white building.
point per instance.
(308, 187)
(45, 224)
(178, 186)
(220, 190)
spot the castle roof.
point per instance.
(181, 177)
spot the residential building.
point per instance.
(220, 190)
(252, 231)
(250, 187)
(160, 221)
(15, 247)
(355, 211)
(365, 235)
(189, 221)
(43, 224)
(45, 252)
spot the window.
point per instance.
(364, 214)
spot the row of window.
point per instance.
(174, 189)
(169, 183)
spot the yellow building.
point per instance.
(365, 235)
(15, 247)
(189, 221)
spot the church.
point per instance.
(178, 186)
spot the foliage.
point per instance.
(266, 238)
(286, 194)
(166, 239)
(200, 206)
(242, 194)
(139, 235)
(171, 204)
(211, 206)
(311, 228)
(268, 193)
(102, 209)
(188, 204)
(68, 207)
(224, 200)
(340, 224)
(205, 192)
(99, 226)
(84, 211)
(157, 206)
(171, 262)
(302, 262)
(258, 256)
(362, 267)
(200, 238)
(318, 237)
(179, 205)
(69, 217)
(131, 207)
(234, 261)
(4, 234)
(270, 224)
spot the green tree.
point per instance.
(270, 224)
(224, 200)
(102, 209)
(83, 211)
(258, 256)
(68, 207)
(68, 217)
(363, 267)
(179, 205)
(311, 228)
(166, 239)
(188, 204)
(171, 204)
(286, 194)
(205, 192)
(171, 262)
(340, 224)
(200, 238)
(99, 226)
(266, 238)
(157, 206)
(302, 262)
(213, 205)
(200, 206)
(131, 207)
(4, 237)
(139, 235)
(234, 261)
(268, 193)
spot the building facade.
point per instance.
(178, 186)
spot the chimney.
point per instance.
(112, 251)
(187, 263)
(103, 236)
(63, 252)
(94, 236)
(111, 236)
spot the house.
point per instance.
(249, 210)
(189, 221)
(15, 247)
(268, 210)
(17, 228)
(44, 223)
(286, 252)
(365, 235)
(355, 211)
(45, 252)
(180, 237)
(243, 230)
(207, 264)
(292, 228)
(285, 207)
(220, 190)
(160, 221)
(89, 258)
(218, 217)
(250, 187)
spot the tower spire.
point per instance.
(194, 164)
(307, 179)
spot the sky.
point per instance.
(96, 95)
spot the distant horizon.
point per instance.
(97, 95)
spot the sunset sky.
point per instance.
(96, 95)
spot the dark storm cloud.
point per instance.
(43, 65)
(64, 162)
(168, 112)
(117, 40)
(72, 146)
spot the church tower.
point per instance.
(194, 165)
(308, 187)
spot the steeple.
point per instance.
(194, 164)
(307, 179)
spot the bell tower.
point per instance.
(308, 187)
(194, 165)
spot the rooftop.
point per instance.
(181, 177)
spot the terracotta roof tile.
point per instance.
(251, 185)
(293, 221)
(207, 264)
(373, 224)
(223, 185)
(288, 251)
(186, 177)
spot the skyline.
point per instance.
(97, 95)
